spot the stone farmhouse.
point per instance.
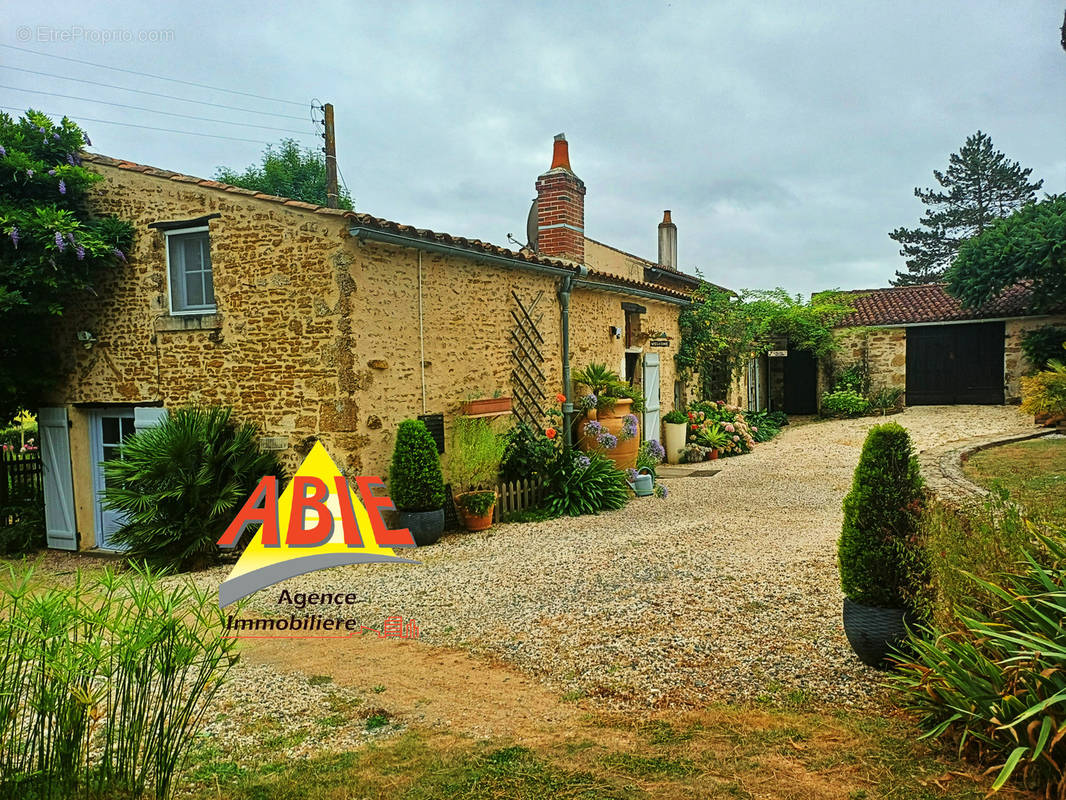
(323, 324)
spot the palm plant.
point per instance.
(180, 483)
(712, 436)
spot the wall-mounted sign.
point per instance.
(778, 353)
(659, 343)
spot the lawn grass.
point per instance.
(1034, 472)
(725, 752)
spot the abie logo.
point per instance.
(297, 531)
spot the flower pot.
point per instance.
(712, 455)
(624, 454)
(471, 521)
(425, 526)
(491, 405)
(674, 437)
(873, 632)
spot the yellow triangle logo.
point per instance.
(260, 566)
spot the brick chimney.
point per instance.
(667, 242)
(561, 208)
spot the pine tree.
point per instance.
(980, 186)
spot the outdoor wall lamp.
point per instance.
(616, 332)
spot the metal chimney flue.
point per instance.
(667, 242)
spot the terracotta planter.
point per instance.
(473, 522)
(491, 405)
(674, 440)
(712, 455)
(624, 455)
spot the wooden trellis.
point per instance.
(527, 354)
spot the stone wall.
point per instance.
(884, 349)
(1015, 363)
(602, 258)
(316, 335)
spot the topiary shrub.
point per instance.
(415, 479)
(881, 514)
(180, 484)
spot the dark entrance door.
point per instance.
(949, 364)
(801, 382)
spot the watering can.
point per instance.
(643, 484)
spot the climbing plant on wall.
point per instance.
(721, 330)
(51, 246)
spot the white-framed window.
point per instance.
(192, 289)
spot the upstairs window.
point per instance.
(192, 289)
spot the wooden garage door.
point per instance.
(949, 364)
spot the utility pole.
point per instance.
(331, 157)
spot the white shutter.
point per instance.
(651, 396)
(60, 527)
(147, 417)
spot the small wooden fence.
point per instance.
(20, 480)
(517, 496)
(20, 475)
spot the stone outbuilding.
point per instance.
(921, 340)
(323, 324)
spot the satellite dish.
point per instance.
(531, 226)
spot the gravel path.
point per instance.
(725, 591)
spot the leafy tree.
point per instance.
(287, 170)
(720, 330)
(980, 186)
(1029, 245)
(51, 247)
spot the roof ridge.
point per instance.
(362, 218)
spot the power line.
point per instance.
(156, 77)
(145, 127)
(153, 111)
(153, 94)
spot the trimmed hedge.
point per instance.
(880, 519)
(416, 482)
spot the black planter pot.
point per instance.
(425, 526)
(872, 632)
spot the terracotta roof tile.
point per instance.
(929, 302)
(380, 224)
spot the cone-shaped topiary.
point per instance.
(880, 518)
(415, 479)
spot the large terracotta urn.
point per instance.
(624, 455)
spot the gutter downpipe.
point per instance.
(565, 287)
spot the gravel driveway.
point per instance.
(727, 590)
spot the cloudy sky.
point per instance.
(786, 137)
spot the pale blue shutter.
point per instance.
(61, 530)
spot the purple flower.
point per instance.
(79, 251)
(662, 491)
(655, 450)
(119, 254)
(587, 401)
(3, 152)
(52, 172)
(14, 234)
(607, 440)
(582, 461)
(55, 136)
(62, 187)
(593, 428)
(41, 130)
(29, 173)
(70, 159)
(87, 139)
(60, 242)
(631, 474)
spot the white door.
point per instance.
(651, 396)
(107, 430)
